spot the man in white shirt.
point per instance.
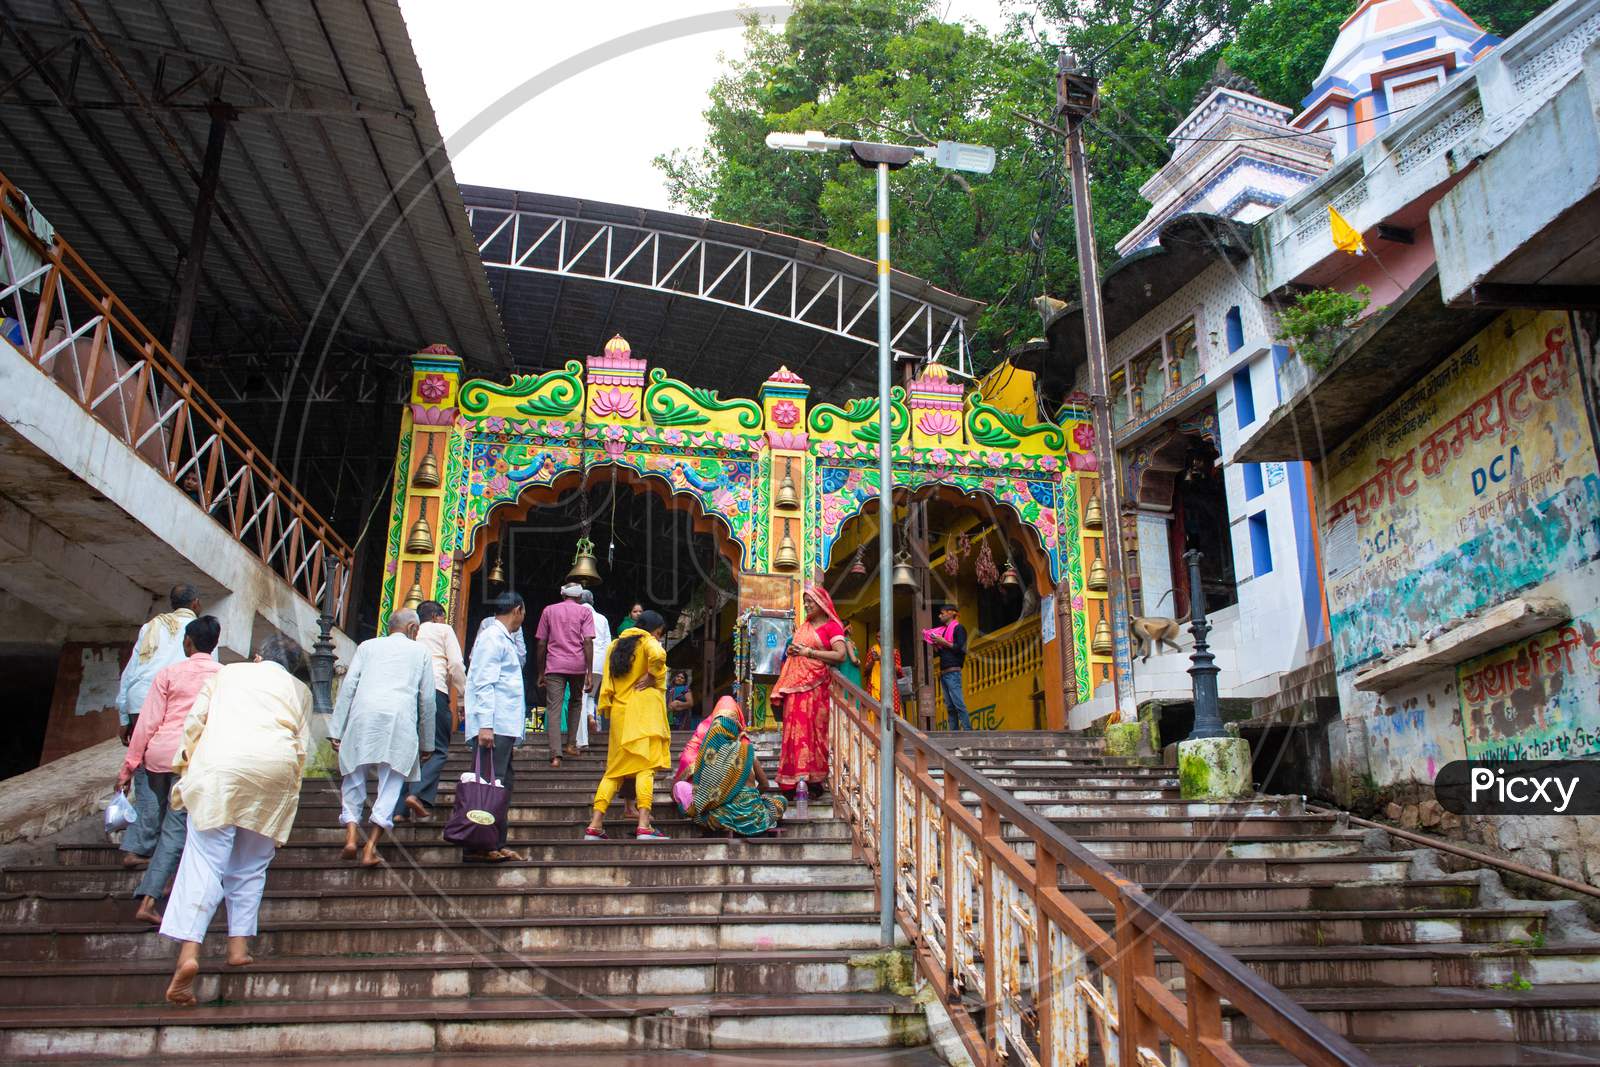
(602, 641)
(159, 644)
(496, 706)
(449, 676)
(382, 725)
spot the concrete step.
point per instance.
(1266, 896)
(742, 1057)
(461, 1025)
(1086, 825)
(1562, 1013)
(1420, 966)
(106, 982)
(1439, 1053)
(433, 930)
(386, 903)
(1231, 929)
(1276, 869)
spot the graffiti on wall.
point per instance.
(1535, 699)
(1478, 483)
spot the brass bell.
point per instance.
(1009, 578)
(497, 573)
(904, 576)
(858, 566)
(1092, 518)
(585, 570)
(786, 558)
(427, 476)
(1101, 645)
(415, 594)
(419, 542)
(787, 499)
(1097, 579)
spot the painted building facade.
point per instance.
(1454, 438)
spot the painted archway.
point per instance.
(471, 449)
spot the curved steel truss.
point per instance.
(805, 284)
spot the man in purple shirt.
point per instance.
(564, 652)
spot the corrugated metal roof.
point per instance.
(551, 318)
(337, 208)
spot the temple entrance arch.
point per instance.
(960, 545)
(654, 544)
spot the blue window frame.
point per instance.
(1233, 327)
(1260, 545)
(1244, 397)
(1253, 485)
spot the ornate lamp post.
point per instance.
(1207, 714)
(322, 655)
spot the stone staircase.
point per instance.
(1412, 958)
(699, 948)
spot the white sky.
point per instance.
(594, 135)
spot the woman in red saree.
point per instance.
(804, 690)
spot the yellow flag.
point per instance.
(1346, 238)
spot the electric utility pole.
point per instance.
(1077, 98)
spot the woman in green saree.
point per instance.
(727, 779)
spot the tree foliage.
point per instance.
(891, 70)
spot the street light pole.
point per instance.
(1207, 713)
(1077, 98)
(883, 158)
(887, 860)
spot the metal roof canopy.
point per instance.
(335, 191)
(713, 302)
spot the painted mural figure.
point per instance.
(806, 699)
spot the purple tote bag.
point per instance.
(480, 810)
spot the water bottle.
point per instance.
(802, 800)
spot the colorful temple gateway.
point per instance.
(989, 504)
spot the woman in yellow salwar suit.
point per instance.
(633, 697)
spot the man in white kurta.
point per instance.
(159, 645)
(597, 668)
(382, 725)
(496, 706)
(243, 754)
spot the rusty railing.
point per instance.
(65, 320)
(1023, 970)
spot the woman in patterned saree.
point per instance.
(727, 779)
(803, 688)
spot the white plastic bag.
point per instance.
(119, 813)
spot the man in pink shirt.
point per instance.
(563, 656)
(154, 746)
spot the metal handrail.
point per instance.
(154, 406)
(1484, 858)
(1011, 956)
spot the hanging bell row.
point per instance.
(427, 475)
(1093, 519)
(788, 499)
(497, 573)
(904, 575)
(419, 542)
(1009, 578)
(1101, 644)
(585, 570)
(415, 595)
(787, 558)
(1098, 579)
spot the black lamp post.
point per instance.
(322, 655)
(1207, 713)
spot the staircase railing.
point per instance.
(1022, 970)
(65, 320)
